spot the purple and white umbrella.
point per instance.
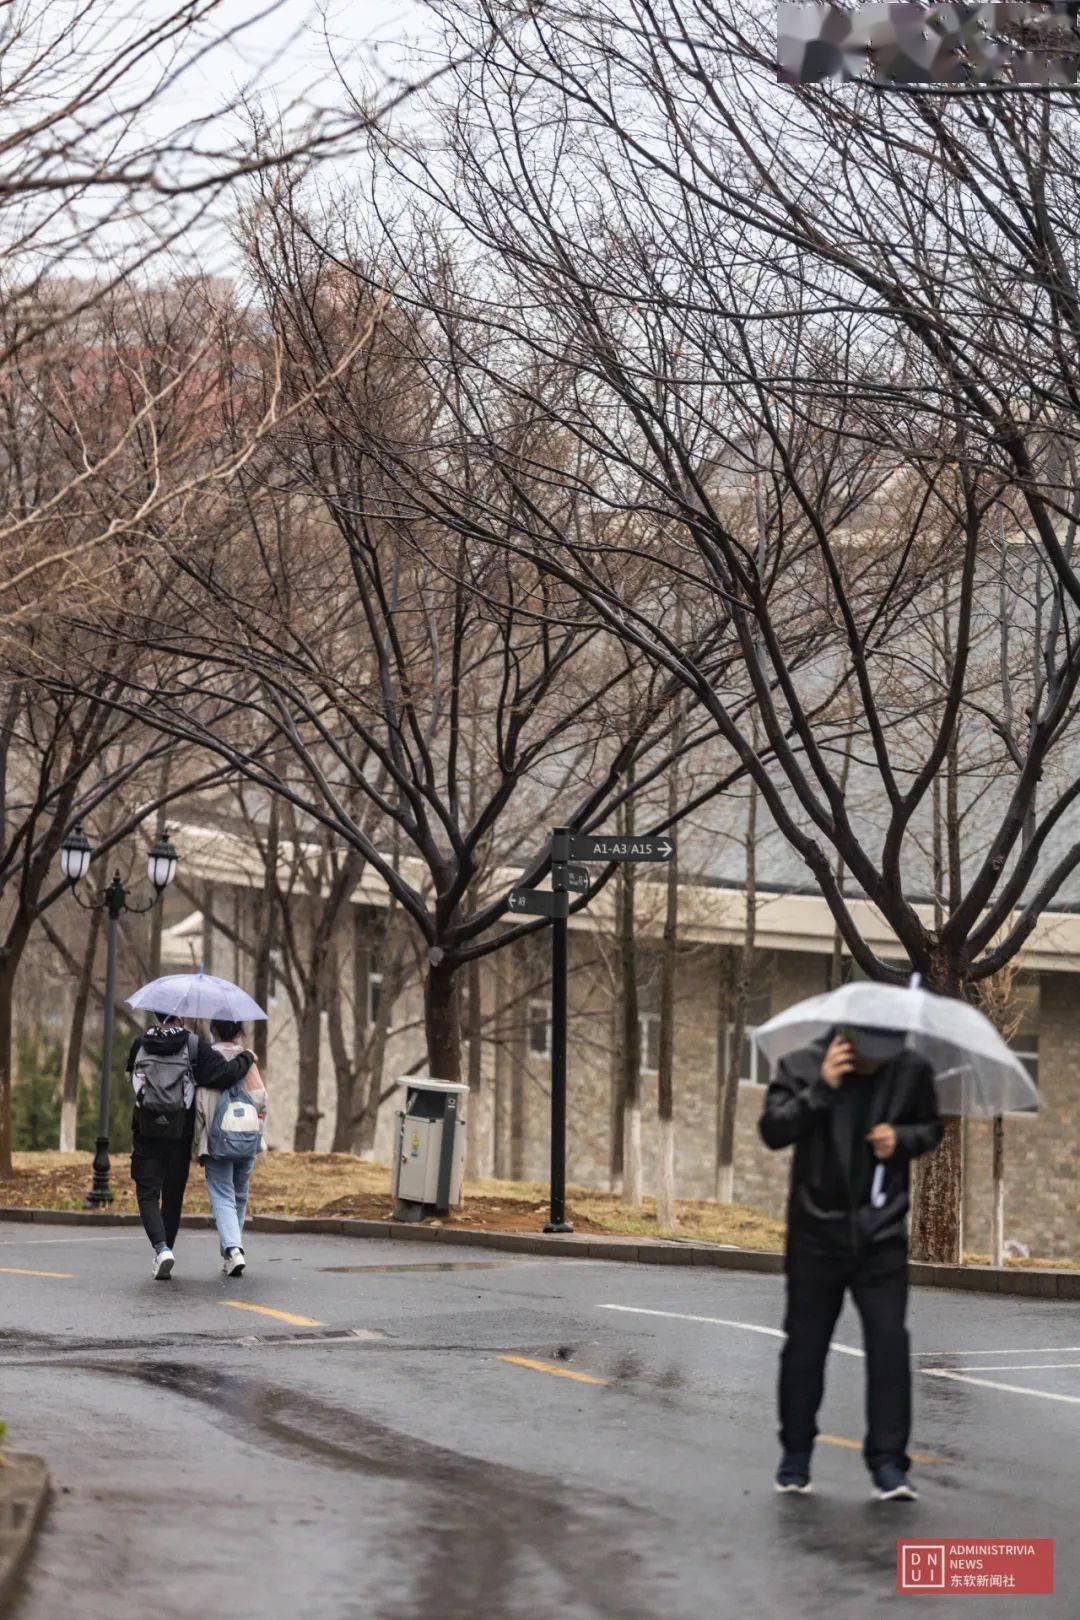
(197, 995)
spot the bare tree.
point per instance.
(726, 298)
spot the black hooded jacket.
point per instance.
(829, 1208)
(209, 1067)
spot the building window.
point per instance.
(649, 1033)
(753, 1069)
(1026, 1047)
(1025, 1041)
(374, 993)
(539, 1029)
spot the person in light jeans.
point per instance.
(228, 1180)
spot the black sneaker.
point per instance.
(892, 1484)
(794, 1473)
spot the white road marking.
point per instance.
(107, 1237)
(1017, 1350)
(990, 1383)
(723, 1321)
(848, 1350)
(1023, 1366)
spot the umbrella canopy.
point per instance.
(197, 995)
(975, 1071)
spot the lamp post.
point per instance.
(75, 857)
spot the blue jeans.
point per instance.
(227, 1183)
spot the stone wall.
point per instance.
(1042, 1151)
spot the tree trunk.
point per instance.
(618, 1100)
(264, 935)
(937, 1200)
(630, 1043)
(69, 1106)
(500, 1124)
(345, 1063)
(997, 1210)
(937, 1193)
(208, 928)
(157, 913)
(442, 1019)
(741, 970)
(665, 1179)
(518, 1026)
(474, 1156)
(363, 1140)
(7, 987)
(836, 965)
(308, 1055)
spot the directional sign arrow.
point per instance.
(538, 903)
(574, 878)
(609, 847)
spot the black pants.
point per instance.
(815, 1292)
(160, 1171)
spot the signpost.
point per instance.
(538, 902)
(574, 878)
(608, 847)
(566, 878)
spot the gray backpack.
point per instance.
(161, 1110)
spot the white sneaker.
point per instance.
(164, 1261)
(233, 1263)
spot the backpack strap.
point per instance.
(192, 1053)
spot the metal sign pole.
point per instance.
(560, 846)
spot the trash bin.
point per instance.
(429, 1164)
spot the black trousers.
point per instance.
(816, 1284)
(160, 1172)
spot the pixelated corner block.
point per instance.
(815, 43)
(885, 43)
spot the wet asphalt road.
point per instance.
(381, 1459)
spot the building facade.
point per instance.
(508, 1115)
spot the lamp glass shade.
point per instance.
(75, 855)
(161, 863)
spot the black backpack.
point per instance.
(160, 1109)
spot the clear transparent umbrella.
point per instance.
(975, 1071)
(197, 995)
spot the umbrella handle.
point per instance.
(877, 1186)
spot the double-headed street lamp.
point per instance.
(161, 862)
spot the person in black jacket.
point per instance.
(159, 1168)
(858, 1108)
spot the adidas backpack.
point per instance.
(164, 1081)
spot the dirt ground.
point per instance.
(337, 1184)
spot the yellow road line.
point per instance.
(265, 1310)
(556, 1372)
(856, 1445)
(19, 1271)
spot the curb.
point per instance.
(589, 1246)
(24, 1496)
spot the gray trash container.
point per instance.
(429, 1161)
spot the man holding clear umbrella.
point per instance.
(858, 1107)
(863, 1071)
